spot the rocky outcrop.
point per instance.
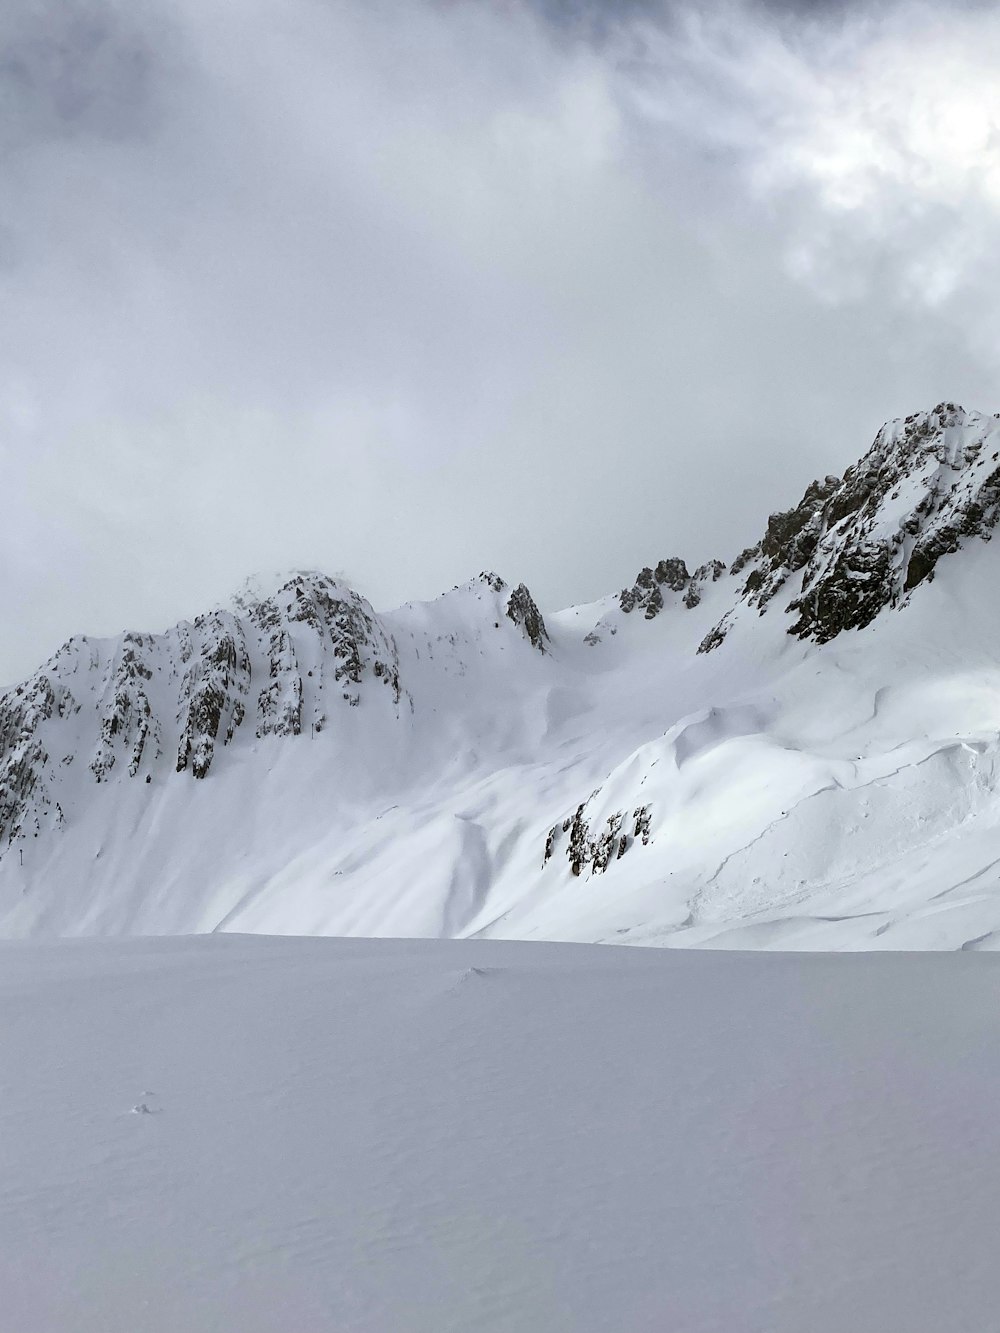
(345, 644)
(26, 802)
(584, 848)
(521, 609)
(710, 572)
(215, 691)
(127, 724)
(790, 540)
(646, 593)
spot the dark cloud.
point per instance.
(601, 17)
(82, 67)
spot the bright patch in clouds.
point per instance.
(889, 125)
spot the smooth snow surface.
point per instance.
(266, 1135)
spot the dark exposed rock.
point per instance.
(25, 801)
(791, 537)
(848, 596)
(579, 844)
(672, 574)
(643, 823)
(348, 636)
(710, 572)
(493, 581)
(977, 519)
(715, 636)
(127, 721)
(744, 558)
(646, 591)
(522, 610)
(215, 691)
(550, 843)
(597, 850)
(866, 562)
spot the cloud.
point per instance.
(882, 129)
(421, 288)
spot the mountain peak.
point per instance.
(859, 544)
(269, 585)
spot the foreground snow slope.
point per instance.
(799, 750)
(387, 1137)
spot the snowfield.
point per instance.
(266, 1134)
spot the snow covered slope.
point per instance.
(269, 1135)
(796, 750)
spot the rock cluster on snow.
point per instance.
(597, 850)
(522, 610)
(646, 594)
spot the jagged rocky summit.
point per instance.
(275, 664)
(857, 545)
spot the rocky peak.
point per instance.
(862, 543)
(275, 664)
(318, 628)
(646, 594)
(519, 606)
(521, 609)
(493, 581)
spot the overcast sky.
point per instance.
(405, 289)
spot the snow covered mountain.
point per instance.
(798, 749)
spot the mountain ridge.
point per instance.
(446, 705)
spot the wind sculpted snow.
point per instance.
(797, 750)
